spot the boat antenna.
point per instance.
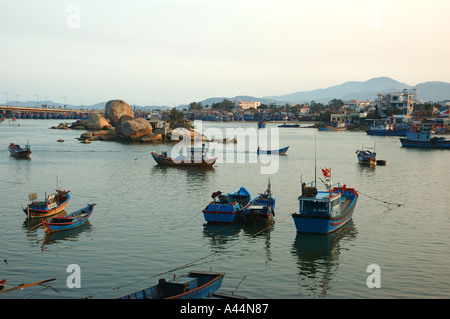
(315, 160)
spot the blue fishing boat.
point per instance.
(194, 285)
(281, 151)
(75, 219)
(323, 212)
(366, 156)
(289, 125)
(424, 139)
(227, 208)
(262, 207)
(261, 124)
(19, 152)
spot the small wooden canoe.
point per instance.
(194, 285)
(281, 151)
(70, 221)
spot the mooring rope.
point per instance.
(380, 200)
(204, 257)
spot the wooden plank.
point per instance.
(27, 285)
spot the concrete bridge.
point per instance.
(13, 111)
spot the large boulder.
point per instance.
(133, 129)
(115, 109)
(96, 122)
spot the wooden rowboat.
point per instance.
(281, 151)
(70, 221)
(194, 285)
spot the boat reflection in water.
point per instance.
(70, 235)
(317, 259)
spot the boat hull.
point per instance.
(260, 209)
(73, 220)
(445, 144)
(167, 161)
(309, 223)
(228, 209)
(220, 213)
(331, 128)
(19, 152)
(366, 158)
(387, 133)
(195, 285)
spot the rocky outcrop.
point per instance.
(96, 122)
(133, 129)
(115, 109)
(78, 125)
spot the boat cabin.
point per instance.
(424, 135)
(319, 203)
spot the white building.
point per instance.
(404, 100)
(245, 105)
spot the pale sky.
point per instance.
(171, 52)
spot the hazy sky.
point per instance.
(171, 52)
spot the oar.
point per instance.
(27, 285)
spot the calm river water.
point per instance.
(148, 220)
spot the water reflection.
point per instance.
(66, 235)
(198, 174)
(32, 224)
(221, 235)
(318, 259)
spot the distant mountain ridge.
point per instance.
(353, 90)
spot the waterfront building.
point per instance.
(404, 101)
(245, 105)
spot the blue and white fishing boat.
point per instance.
(424, 139)
(366, 156)
(261, 124)
(289, 125)
(194, 285)
(227, 208)
(70, 221)
(18, 151)
(262, 207)
(323, 212)
(281, 151)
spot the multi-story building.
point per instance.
(404, 100)
(245, 105)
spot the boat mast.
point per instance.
(315, 161)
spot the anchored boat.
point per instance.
(194, 285)
(281, 151)
(196, 157)
(262, 207)
(51, 205)
(326, 211)
(19, 152)
(73, 220)
(227, 208)
(366, 156)
(424, 139)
